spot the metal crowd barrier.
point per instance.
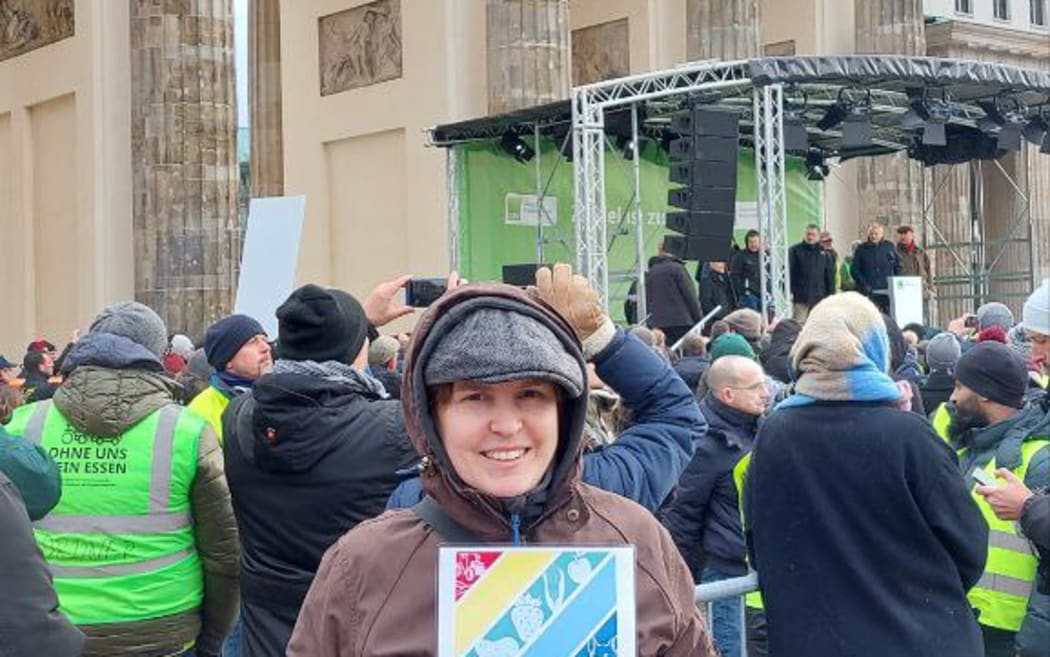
(706, 594)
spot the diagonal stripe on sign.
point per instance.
(581, 617)
(482, 605)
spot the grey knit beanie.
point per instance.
(494, 346)
(136, 322)
(943, 352)
(994, 314)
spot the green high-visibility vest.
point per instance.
(120, 544)
(753, 599)
(942, 421)
(1002, 593)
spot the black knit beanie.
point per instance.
(224, 338)
(995, 372)
(320, 324)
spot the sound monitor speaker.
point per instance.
(702, 224)
(701, 249)
(703, 199)
(701, 174)
(704, 160)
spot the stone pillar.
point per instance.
(890, 27)
(266, 167)
(890, 187)
(722, 29)
(528, 54)
(184, 160)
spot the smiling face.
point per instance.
(500, 438)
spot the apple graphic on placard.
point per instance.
(579, 570)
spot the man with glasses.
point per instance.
(1035, 316)
(704, 519)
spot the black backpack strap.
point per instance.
(439, 521)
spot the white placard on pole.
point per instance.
(906, 300)
(270, 258)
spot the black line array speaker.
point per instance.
(703, 161)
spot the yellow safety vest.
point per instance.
(753, 599)
(942, 421)
(1002, 593)
(120, 543)
(210, 404)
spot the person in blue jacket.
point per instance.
(646, 459)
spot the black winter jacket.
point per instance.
(30, 622)
(669, 294)
(864, 535)
(936, 389)
(307, 460)
(812, 271)
(704, 519)
(776, 358)
(873, 264)
(746, 272)
(715, 290)
(691, 368)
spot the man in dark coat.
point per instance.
(311, 452)
(694, 361)
(670, 296)
(704, 519)
(990, 423)
(864, 535)
(746, 272)
(39, 368)
(942, 353)
(812, 271)
(30, 622)
(716, 289)
(874, 262)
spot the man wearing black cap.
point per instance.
(312, 451)
(236, 347)
(991, 429)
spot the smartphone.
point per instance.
(970, 321)
(983, 478)
(421, 292)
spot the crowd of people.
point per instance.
(266, 498)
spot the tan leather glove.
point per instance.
(574, 298)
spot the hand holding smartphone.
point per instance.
(983, 478)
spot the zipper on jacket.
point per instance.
(515, 528)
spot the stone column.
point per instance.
(528, 54)
(184, 157)
(890, 187)
(264, 95)
(722, 29)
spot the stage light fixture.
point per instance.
(1006, 126)
(816, 167)
(938, 113)
(856, 129)
(515, 146)
(1035, 130)
(834, 115)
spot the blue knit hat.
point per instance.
(224, 338)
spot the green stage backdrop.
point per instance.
(499, 211)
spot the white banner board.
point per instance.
(270, 258)
(906, 300)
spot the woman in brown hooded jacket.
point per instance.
(495, 398)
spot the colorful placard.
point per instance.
(536, 601)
